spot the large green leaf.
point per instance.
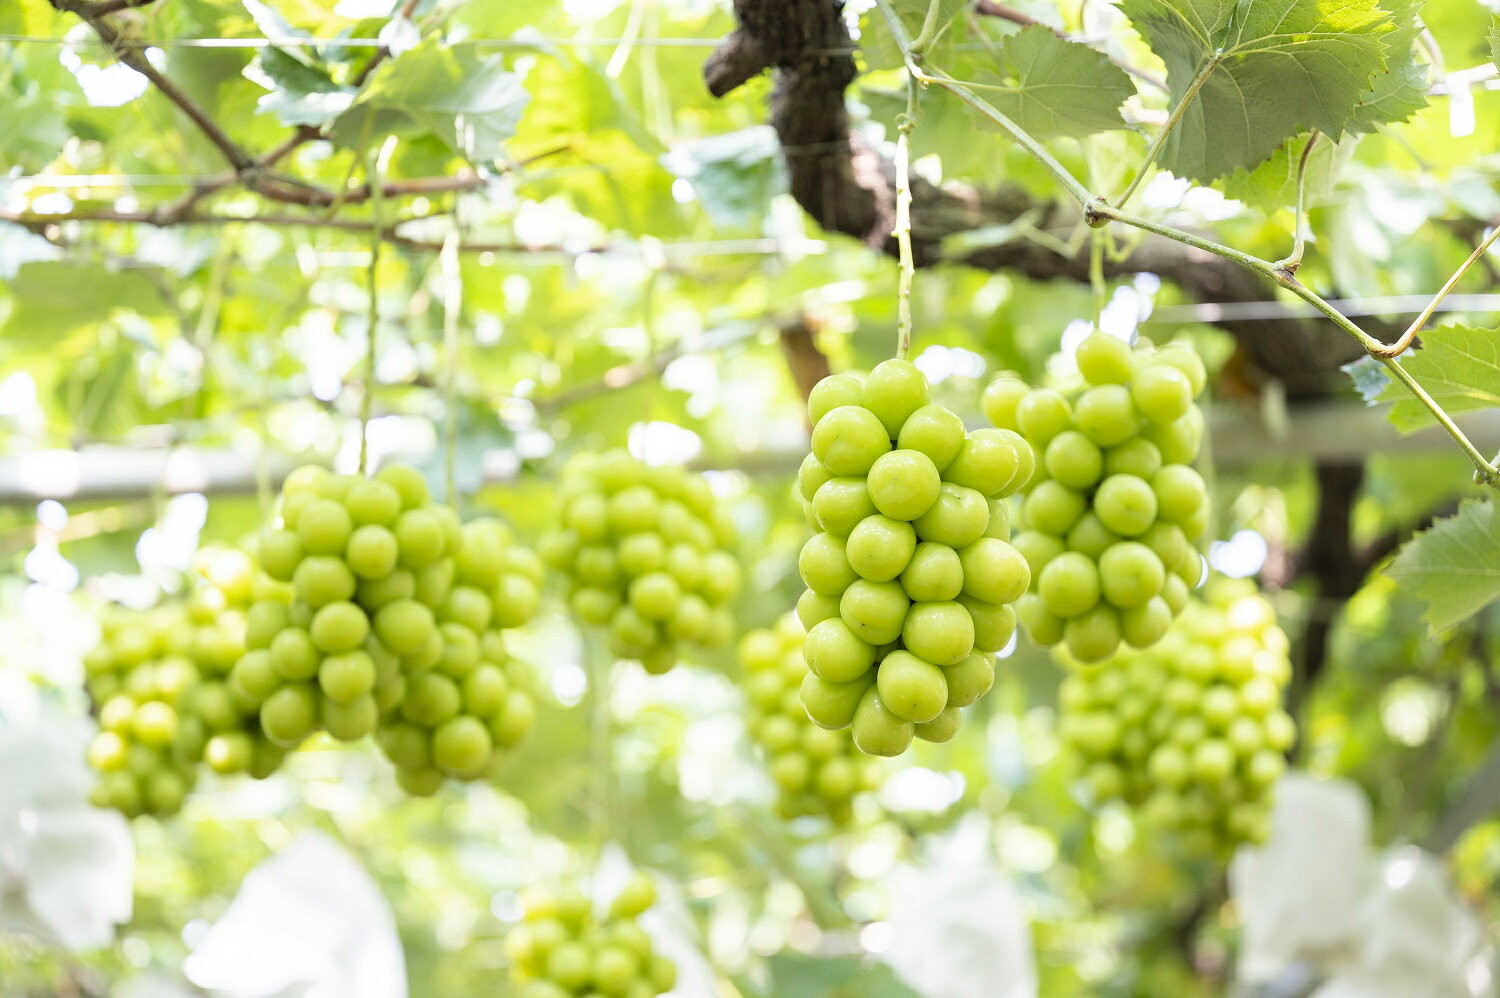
(1273, 184)
(472, 103)
(1454, 566)
(1460, 368)
(1273, 68)
(1053, 87)
(301, 93)
(1401, 90)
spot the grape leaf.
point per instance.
(471, 103)
(1460, 368)
(1495, 39)
(1274, 68)
(1273, 184)
(1401, 90)
(301, 94)
(1454, 566)
(1369, 377)
(1053, 87)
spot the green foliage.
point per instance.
(1454, 566)
(1250, 53)
(1057, 88)
(794, 976)
(471, 103)
(1460, 368)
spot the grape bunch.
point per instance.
(392, 622)
(1109, 521)
(910, 576)
(140, 678)
(564, 948)
(817, 771)
(1191, 731)
(647, 554)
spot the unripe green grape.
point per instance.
(994, 625)
(1053, 508)
(824, 565)
(1093, 635)
(813, 607)
(294, 655)
(934, 431)
(903, 484)
(841, 503)
(1161, 393)
(351, 721)
(1073, 460)
(970, 679)
(894, 390)
(957, 518)
(1104, 360)
(880, 548)
(874, 611)
(1180, 492)
(422, 538)
(987, 463)
(942, 633)
(876, 730)
(290, 714)
(1106, 415)
(372, 502)
(935, 573)
(941, 728)
(911, 688)
(404, 626)
(993, 571)
(279, 553)
(1144, 625)
(1069, 584)
(848, 440)
(1001, 399)
(339, 627)
(1037, 548)
(835, 653)
(830, 393)
(832, 705)
(1042, 414)
(1179, 440)
(1126, 504)
(322, 579)
(323, 527)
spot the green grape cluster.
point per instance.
(647, 551)
(391, 621)
(1191, 731)
(1110, 519)
(910, 576)
(564, 948)
(158, 681)
(817, 771)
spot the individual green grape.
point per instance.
(818, 772)
(903, 484)
(957, 518)
(911, 688)
(876, 730)
(881, 547)
(1104, 360)
(894, 390)
(934, 431)
(1001, 399)
(1189, 732)
(849, 439)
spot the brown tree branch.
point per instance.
(93, 14)
(847, 186)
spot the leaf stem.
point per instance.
(1299, 238)
(1399, 346)
(919, 44)
(1166, 129)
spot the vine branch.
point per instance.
(1291, 263)
(1397, 348)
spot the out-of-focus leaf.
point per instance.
(1459, 366)
(734, 175)
(472, 103)
(19, 246)
(797, 976)
(1273, 184)
(1454, 566)
(1401, 90)
(302, 94)
(1495, 38)
(1369, 378)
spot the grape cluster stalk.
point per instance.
(1110, 520)
(1191, 731)
(817, 772)
(910, 575)
(648, 552)
(563, 948)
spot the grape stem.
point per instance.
(1399, 346)
(453, 290)
(1299, 238)
(366, 401)
(902, 231)
(1098, 212)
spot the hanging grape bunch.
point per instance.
(394, 623)
(1191, 731)
(1109, 522)
(647, 552)
(563, 948)
(817, 771)
(910, 577)
(141, 678)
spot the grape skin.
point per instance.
(561, 948)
